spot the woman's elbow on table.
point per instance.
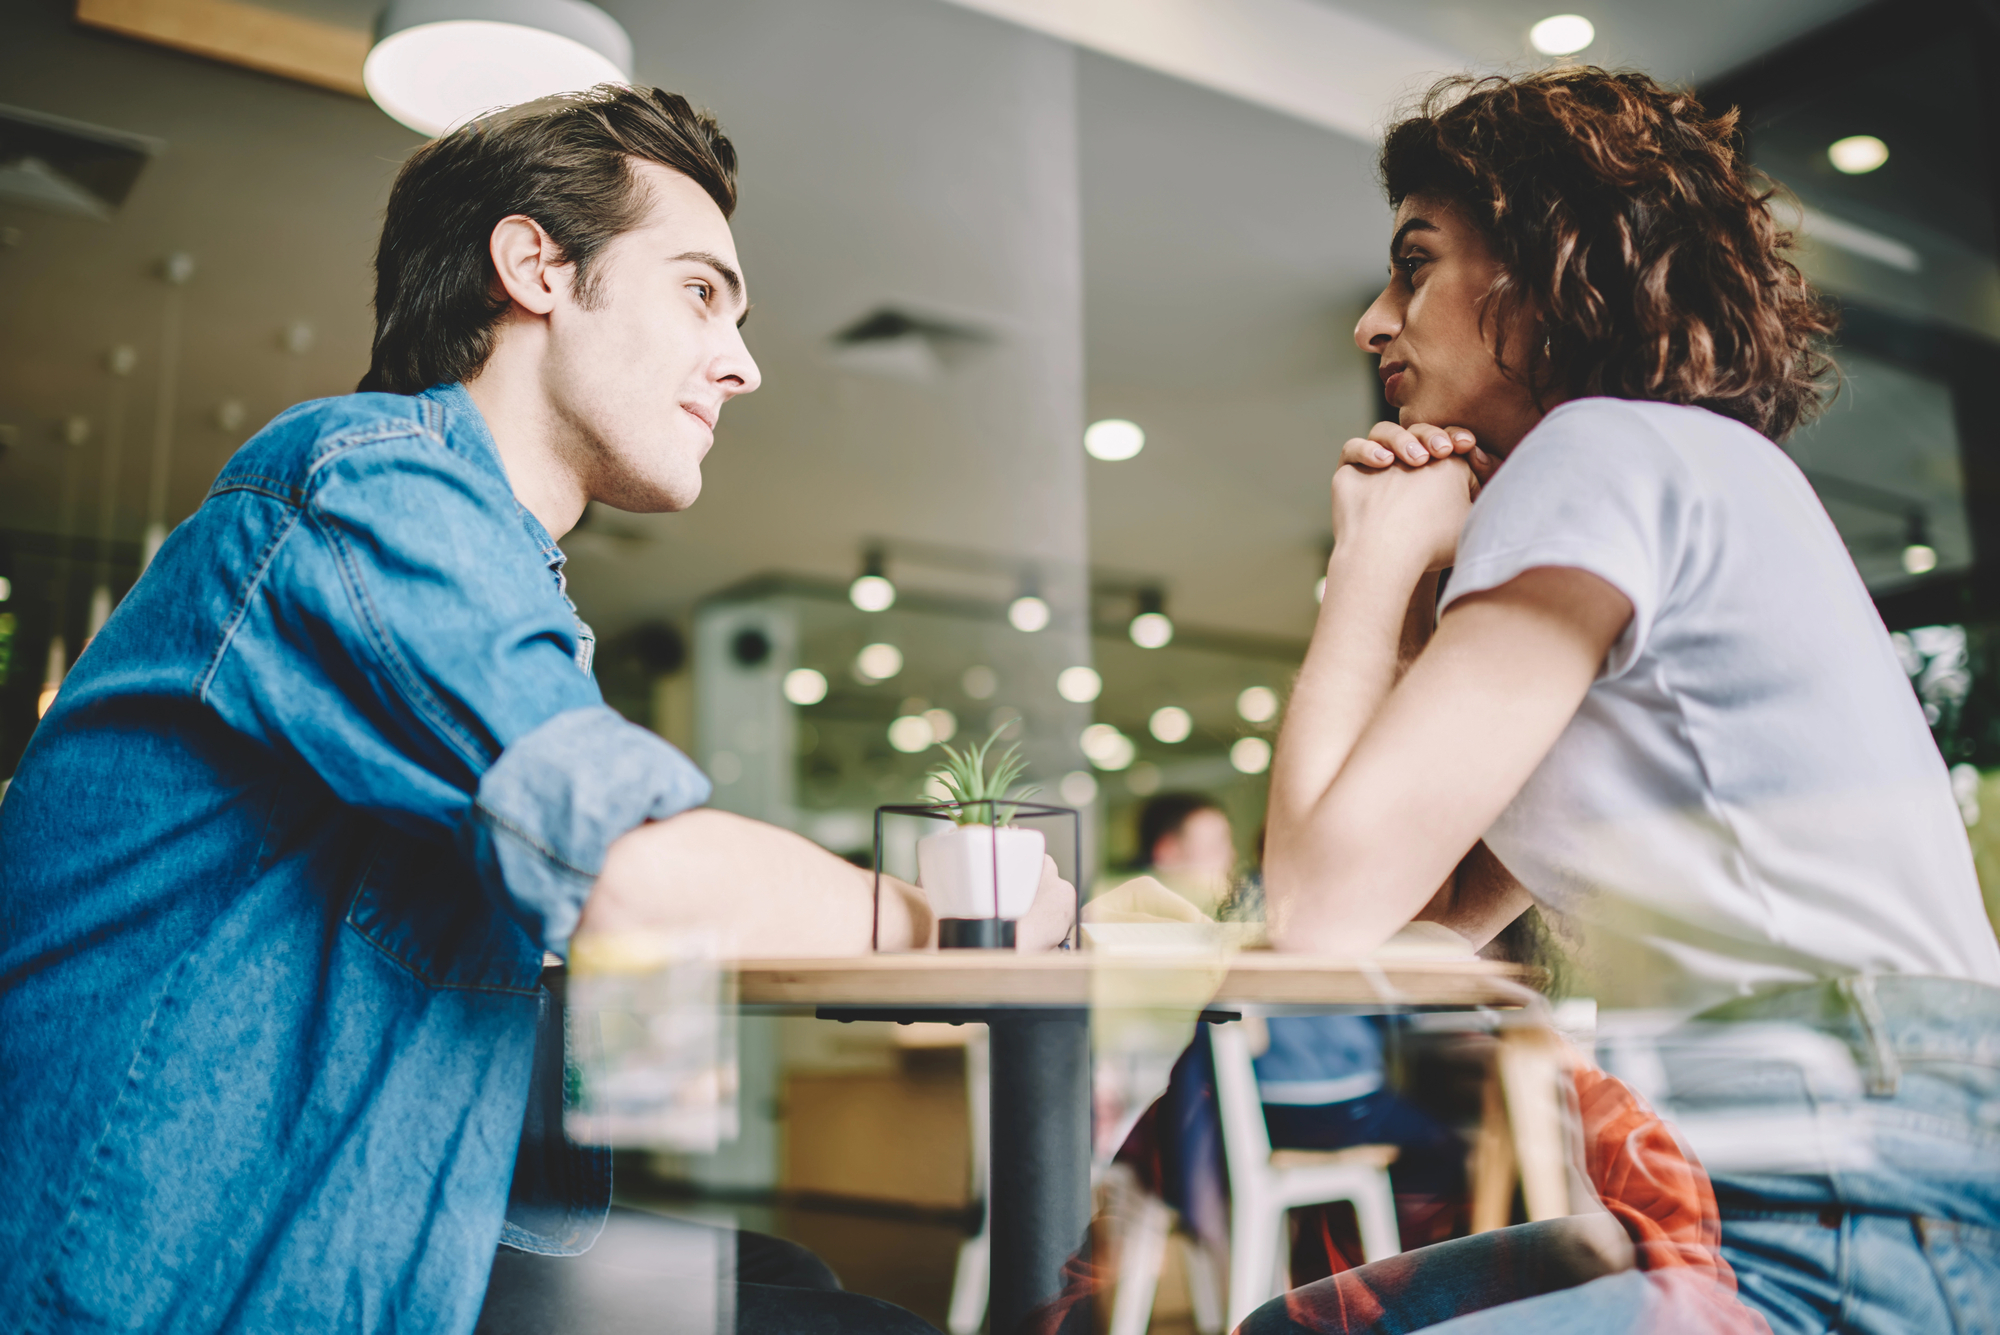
(1319, 905)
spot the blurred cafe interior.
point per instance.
(1054, 308)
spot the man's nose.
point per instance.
(737, 371)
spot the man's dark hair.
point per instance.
(1165, 815)
(565, 162)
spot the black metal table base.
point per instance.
(1040, 1206)
(1041, 1158)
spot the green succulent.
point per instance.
(964, 775)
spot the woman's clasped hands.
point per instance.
(1406, 490)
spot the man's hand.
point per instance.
(1416, 445)
(1048, 919)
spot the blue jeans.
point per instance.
(1896, 1229)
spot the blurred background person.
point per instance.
(1188, 845)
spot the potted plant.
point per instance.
(981, 874)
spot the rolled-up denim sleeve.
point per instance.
(551, 806)
(406, 640)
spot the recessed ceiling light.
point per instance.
(1028, 613)
(1113, 439)
(1562, 34)
(1171, 724)
(872, 593)
(1151, 630)
(1079, 685)
(1858, 154)
(1257, 704)
(911, 733)
(1107, 747)
(1078, 788)
(878, 662)
(1250, 755)
(804, 686)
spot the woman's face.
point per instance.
(1438, 365)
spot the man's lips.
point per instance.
(705, 416)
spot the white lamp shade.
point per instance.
(438, 63)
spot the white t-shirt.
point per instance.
(1749, 794)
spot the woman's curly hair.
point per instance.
(1626, 223)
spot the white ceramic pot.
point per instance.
(956, 870)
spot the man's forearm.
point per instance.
(768, 891)
(774, 895)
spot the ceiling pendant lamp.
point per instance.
(438, 63)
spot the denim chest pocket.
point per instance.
(422, 906)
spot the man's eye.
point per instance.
(704, 290)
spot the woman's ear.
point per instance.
(524, 257)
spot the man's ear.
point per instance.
(524, 257)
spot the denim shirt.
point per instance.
(277, 873)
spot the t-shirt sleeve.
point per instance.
(1595, 487)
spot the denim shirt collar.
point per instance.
(462, 421)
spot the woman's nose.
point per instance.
(1379, 323)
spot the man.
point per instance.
(280, 867)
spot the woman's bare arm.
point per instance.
(1382, 786)
(1480, 896)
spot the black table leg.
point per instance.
(1041, 1158)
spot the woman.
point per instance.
(1658, 702)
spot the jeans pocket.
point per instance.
(1966, 1260)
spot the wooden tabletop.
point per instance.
(1072, 978)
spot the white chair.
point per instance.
(1146, 1226)
(1264, 1184)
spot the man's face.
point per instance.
(1204, 846)
(640, 364)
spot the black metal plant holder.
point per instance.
(995, 932)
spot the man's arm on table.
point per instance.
(447, 699)
(773, 894)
